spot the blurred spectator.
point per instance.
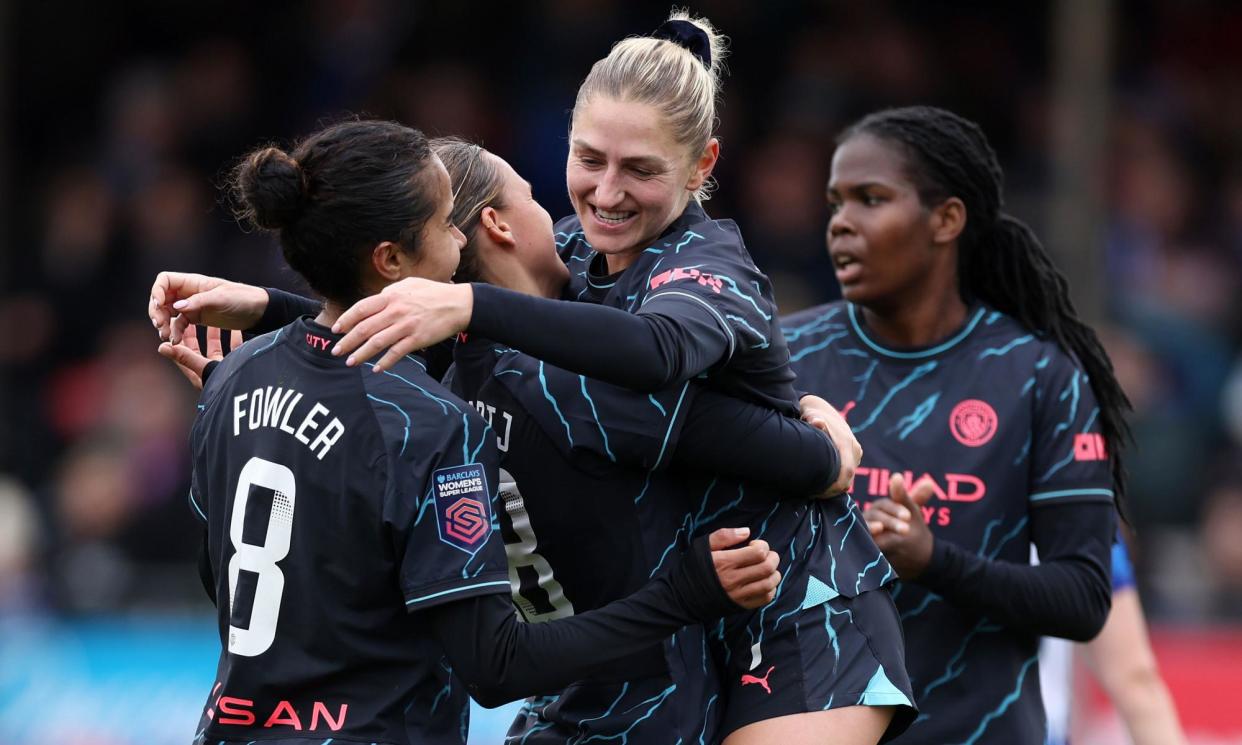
(1160, 251)
(168, 216)
(1222, 524)
(143, 128)
(20, 582)
(1231, 403)
(92, 497)
(784, 216)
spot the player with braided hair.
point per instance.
(986, 408)
(1000, 261)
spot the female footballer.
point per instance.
(586, 461)
(349, 539)
(988, 410)
(673, 294)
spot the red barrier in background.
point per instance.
(1203, 670)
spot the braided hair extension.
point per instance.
(1000, 261)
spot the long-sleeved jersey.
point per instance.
(356, 564)
(1004, 426)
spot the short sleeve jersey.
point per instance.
(700, 274)
(588, 516)
(1001, 422)
(338, 503)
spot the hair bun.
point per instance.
(691, 36)
(271, 187)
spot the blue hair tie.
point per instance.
(689, 36)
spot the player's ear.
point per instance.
(704, 164)
(390, 261)
(496, 229)
(948, 220)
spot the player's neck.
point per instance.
(331, 311)
(918, 321)
(518, 279)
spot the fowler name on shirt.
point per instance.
(277, 407)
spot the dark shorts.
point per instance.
(653, 710)
(829, 652)
(680, 703)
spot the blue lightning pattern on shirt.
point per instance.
(1018, 440)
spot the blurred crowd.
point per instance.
(124, 117)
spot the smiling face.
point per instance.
(881, 238)
(628, 178)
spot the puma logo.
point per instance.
(748, 679)
(845, 410)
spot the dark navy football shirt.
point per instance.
(588, 515)
(1003, 424)
(699, 274)
(587, 519)
(298, 462)
(598, 500)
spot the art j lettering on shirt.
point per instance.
(500, 425)
(283, 409)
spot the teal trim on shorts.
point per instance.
(818, 593)
(881, 692)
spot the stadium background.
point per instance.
(1119, 125)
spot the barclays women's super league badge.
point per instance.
(463, 513)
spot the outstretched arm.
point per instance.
(692, 425)
(730, 437)
(644, 352)
(282, 309)
(181, 298)
(501, 658)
